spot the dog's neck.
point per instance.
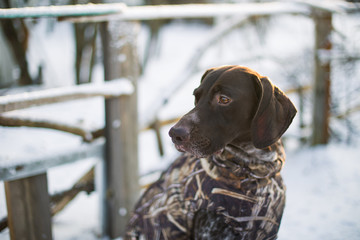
(246, 151)
(244, 162)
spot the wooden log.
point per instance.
(322, 56)
(121, 187)
(28, 208)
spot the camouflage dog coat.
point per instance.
(210, 198)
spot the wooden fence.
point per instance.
(26, 185)
(26, 182)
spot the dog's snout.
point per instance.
(179, 134)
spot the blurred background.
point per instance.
(314, 56)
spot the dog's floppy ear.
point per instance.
(274, 115)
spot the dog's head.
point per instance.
(233, 104)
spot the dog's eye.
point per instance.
(223, 100)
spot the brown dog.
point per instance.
(227, 184)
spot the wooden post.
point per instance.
(321, 101)
(121, 165)
(28, 208)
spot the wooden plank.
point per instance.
(322, 74)
(121, 131)
(28, 208)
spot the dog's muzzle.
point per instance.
(190, 140)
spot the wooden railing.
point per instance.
(26, 179)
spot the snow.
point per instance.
(323, 197)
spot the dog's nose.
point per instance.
(179, 134)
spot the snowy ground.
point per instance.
(322, 194)
(323, 197)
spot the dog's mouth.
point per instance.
(199, 153)
(193, 142)
(180, 148)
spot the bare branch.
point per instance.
(87, 136)
(60, 200)
(348, 112)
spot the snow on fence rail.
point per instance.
(63, 11)
(201, 11)
(108, 89)
(25, 167)
(119, 11)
